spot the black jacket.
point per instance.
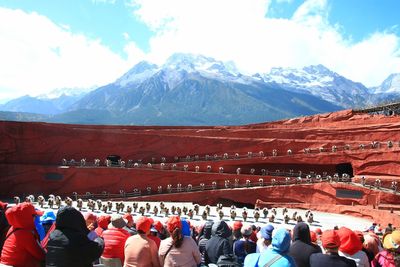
(330, 260)
(218, 244)
(69, 245)
(302, 248)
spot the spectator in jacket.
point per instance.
(236, 228)
(178, 250)
(130, 225)
(371, 245)
(139, 249)
(302, 248)
(219, 243)
(390, 256)
(204, 236)
(276, 256)
(330, 242)
(21, 247)
(68, 244)
(153, 236)
(265, 238)
(245, 245)
(90, 220)
(351, 247)
(47, 220)
(4, 226)
(102, 224)
(114, 238)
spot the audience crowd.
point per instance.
(32, 238)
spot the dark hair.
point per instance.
(177, 237)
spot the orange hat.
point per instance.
(173, 223)
(392, 241)
(143, 224)
(330, 239)
(318, 231)
(128, 217)
(313, 236)
(237, 225)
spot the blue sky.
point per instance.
(47, 44)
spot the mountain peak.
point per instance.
(390, 85)
(138, 73)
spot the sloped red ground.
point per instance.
(31, 154)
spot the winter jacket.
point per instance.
(68, 244)
(384, 259)
(114, 240)
(280, 246)
(302, 248)
(239, 249)
(187, 255)
(4, 226)
(205, 235)
(22, 248)
(218, 244)
(330, 260)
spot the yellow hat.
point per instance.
(392, 241)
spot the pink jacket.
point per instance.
(140, 251)
(383, 259)
(187, 255)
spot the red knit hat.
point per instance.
(143, 224)
(318, 231)
(350, 243)
(330, 239)
(128, 217)
(237, 225)
(173, 223)
(158, 226)
(313, 236)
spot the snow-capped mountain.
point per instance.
(198, 90)
(195, 90)
(60, 92)
(391, 85)
(321, 82)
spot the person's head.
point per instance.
(117, 222)
(90, 220)
(330, 241)
(301, 232)
(143, 225)
(22, 216)
(69, 218)
(236, 229)
(266, 234)
(281, 240)
(221, 229)
(174, 227)
(246, 231)
(349, 242)
(103, 221)
(314, 238)
(129, 218)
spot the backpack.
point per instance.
(228, 260)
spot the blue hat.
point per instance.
(48, 217)
(266, 232)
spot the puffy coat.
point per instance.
(69, 245)
(302, 248)
(4, 226)
(22, 248)
(114, 240)
(218, 244)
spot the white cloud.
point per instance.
(239, 30)
(38, 56)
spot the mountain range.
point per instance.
(198, 90)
